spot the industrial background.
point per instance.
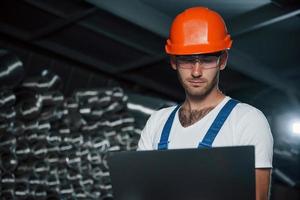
(79, 78)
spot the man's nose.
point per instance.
(197, 70)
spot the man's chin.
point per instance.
(198, 94)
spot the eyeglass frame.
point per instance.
(192, 63)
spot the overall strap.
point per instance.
(217, 124)
(163, 143)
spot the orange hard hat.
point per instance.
(198, 30)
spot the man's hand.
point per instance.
(262, 183)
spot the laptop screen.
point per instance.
(209, 174)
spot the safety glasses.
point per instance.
(207, 61)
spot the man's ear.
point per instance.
(223, 60)
(173, 62)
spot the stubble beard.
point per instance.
(199, 92)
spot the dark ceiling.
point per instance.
(126, 39)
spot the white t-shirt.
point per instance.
(245, 125)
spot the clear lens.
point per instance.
(206, 61)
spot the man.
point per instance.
(198, 48)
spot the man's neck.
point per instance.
(195, 109)
(211, 100)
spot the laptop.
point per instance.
(218, 173)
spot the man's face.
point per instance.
(199, 80)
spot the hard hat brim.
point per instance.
(174, 49)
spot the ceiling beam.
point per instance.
(251, 67)
(96, 64)
(61, 24)
(41, 5)
(75, 55)
(137, 13)
(145, 61)
(142, 15)
(117, 38)
(261, 17)
(78, 19)
(10, 30)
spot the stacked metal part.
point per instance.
(11, 74)
(54, 147)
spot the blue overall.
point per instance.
(211, 133)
